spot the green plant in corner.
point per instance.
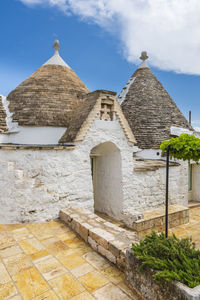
(172, 258)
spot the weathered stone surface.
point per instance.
(75, 225)
(93, 243)
(52, 91)
(150, 110)
(101, 236)
(111, 245)
(83, 232)
(116, 246)
(143, 282)
(155, 219)
(50, 179)
(107, 254)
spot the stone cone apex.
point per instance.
(144, 58)
(56, 59)
(149, 109)
(48, 96)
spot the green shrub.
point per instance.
(172, 258)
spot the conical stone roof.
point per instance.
(149, 109)
(48, 95)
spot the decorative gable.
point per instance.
(101, 105)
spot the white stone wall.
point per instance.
(35, 185)
(107, 177)
(33, 135)
(195, 182)
(148, 188)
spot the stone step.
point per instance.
(155, 219)
(104, 237)
(193, 204)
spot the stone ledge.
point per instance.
(142, 165)
(155, 219)
(104, 237)
(36, 147)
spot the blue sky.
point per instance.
(98, 50)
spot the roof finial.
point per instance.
(144, 56)
(56, 46)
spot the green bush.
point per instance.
(172, 258)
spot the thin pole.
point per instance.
(167, 193)
(190, 117)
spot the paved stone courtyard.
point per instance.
(47, 261)
(191, 229)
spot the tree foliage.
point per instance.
(172, 258)
(186, 147)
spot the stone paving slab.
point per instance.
(48, 261)
(191, 229)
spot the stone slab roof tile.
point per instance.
(150, 110)
(78, 115)
(46, 97)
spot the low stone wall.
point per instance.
(155, 220)
(143, 282)
(104, 237)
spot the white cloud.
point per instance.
(167, 29)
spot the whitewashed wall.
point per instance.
(107, 173)
(35, 185)
(195, 182)
(33, 135)
(148, 188)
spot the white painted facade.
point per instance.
(35, 185)
(29, 135)
(107, 179)
(150, 154)
(195, 182)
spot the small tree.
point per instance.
(186, 147)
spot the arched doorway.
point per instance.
(107, 179)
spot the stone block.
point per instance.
(83, 232)
(92, 243)
(75, 225)
(65, 217)
(102, 237)
(116, 246)
(107, 254)
(121, 262)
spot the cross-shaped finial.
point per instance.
(144, 56)
(56, 45)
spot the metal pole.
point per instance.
(167, 192)
(190, 117)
